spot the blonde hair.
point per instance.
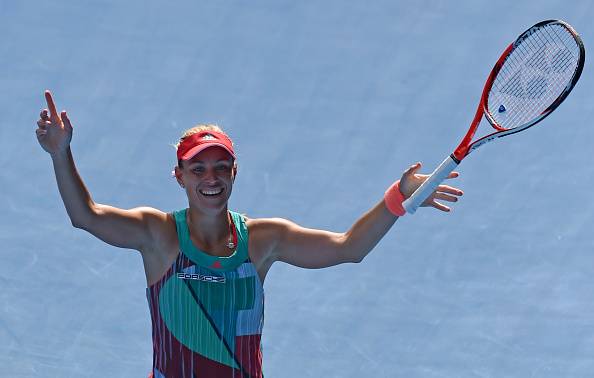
(199, 128)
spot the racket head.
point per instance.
(532, 77)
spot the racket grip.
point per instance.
(424, 191)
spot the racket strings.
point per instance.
(536, 86)
(535, 73)
(538, 59)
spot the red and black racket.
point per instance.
(531, 78)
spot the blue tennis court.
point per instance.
(328, 103)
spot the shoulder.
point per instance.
(161, 226)
(154, 218)
(265, 234)
(267, 227)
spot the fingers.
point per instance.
(445, 197)
(439, 206)
(40, 133)
(453, 175)
(43, 124)
(66, 120)
(51, 106)
(432, 201)
(444, 193)
(412, 169)
(449, 189)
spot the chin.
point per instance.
(212, 207)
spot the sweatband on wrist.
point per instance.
(393, 199)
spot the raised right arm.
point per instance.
(136, 228)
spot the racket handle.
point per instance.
(424, 191)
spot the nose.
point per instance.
(210, 175)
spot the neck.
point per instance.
(209, 229)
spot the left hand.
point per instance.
(411, 180)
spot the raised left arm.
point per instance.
(311, 248)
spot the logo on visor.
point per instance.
(208, 137)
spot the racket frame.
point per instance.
(466, 146)
(501, 131)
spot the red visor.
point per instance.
(195, 143)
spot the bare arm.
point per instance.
(310, 248)
(122, 228)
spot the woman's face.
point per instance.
(208, 178)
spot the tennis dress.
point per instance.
(207, 312)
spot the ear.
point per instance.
(179, 176)
(234, 171)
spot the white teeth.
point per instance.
(211, 192)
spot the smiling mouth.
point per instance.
(211, 192)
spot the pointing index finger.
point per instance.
(51, 106)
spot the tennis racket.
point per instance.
(531, 78)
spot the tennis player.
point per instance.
(205, 265)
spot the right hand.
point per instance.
(54, 132)
(412, 179)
